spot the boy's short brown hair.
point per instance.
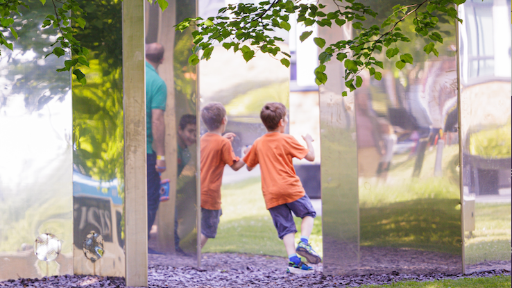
(212, 115)
(187, 119)
(271, 114)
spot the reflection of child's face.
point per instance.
(188, 135)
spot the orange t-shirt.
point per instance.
(216, 152)
(274, 152)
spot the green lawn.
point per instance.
(491, 238)
(246, 226)
(497, 281)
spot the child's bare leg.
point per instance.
(307, 226)
(289, 243)
(203, 240)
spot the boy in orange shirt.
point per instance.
(282, 189)
(216, 152)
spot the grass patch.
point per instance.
(246, 226)
(484, 282)
(491, 238)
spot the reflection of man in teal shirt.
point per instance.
(156, 97)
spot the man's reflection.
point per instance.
(156, 97)
(216, 152)
(370, 145)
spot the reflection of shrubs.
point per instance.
(493, 143)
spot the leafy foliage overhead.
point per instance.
(68, 17)
(249, 28)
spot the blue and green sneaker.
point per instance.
(305, 250)
(301, 268)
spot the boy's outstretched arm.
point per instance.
(311, 154)
(237, 165)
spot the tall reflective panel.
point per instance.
(407, 157)
(339, 165)
(35, 152)
(242, 88)
(98, 146)
(173, 235)
(485, 67)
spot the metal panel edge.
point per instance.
(135, 143)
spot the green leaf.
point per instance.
(80, 22)
(380, 64)
(429, 47)
(309, 22)
(321, 78)
(324, 57)
(350, 65)
(320, 42)
(80, 76)
(378, 76)
(305, 35)
(340, 22)
(14, 33)
(436, 37)
(163, 4)
(43, 2)
(359, 81)
(193, 59)
(320, 69)
(245, 48)
(285, 62)
(208, 22)
(400, 64)
(83, 61)
(407, 58)
(207, 53)
(431, 7)
(435, 52)
(357, 25)
(248, 55)
(58, 51)
(391, 52)
(226, 45)
(85, 51)
(344, 93)
(341, 56)
(254, 24)
(285, 25)
(350, 85)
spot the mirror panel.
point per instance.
(485, 65)
(173, 235)
(339, 165)
(98, 146)
(243, 88)
(35, 151)
(408, 155)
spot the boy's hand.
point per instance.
(230, 136)
(308, 138)
(246, 149)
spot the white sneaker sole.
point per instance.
(293, 270)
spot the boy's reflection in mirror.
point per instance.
(186, 137)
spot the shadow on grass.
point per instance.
(425, 224)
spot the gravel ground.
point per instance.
(237, 270)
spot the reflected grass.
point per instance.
(246, 226)
(491, 238)
(413, 212)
